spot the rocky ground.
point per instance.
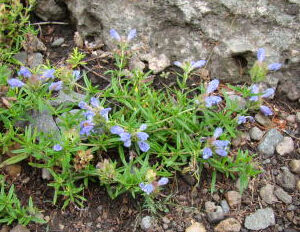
(270, 203)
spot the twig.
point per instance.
(47, 23)
(97, 74)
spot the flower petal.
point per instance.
(212, 86)
(131, 34)
(266, 110)
(117, 130)
(114, 34)
(143, 146)
(218, 132)
(261, 54)
(207, 153)
(163, 181)
(274, 66)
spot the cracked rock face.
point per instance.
(228, 30)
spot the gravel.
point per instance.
(295, 166)
(283, 196)
(267, 194)
(256, 133)
(286, 146)
(261, 219)
(286, 179)
(269, 142)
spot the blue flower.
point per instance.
(115, 35)
(56, 86)
(104, 113)
(76, 74)
(266, 110)
(86, 127)
(178, 64)
(198, 64)
(261, 54)
(95, 102)
(163, 181)
(15, 83)
(57, 147)
(212, 86)
(274, 66)
(126, 138)
(218, 132)
(117, 130)
(243, 119)
(207, 153)
(131, 35)
(48, 74)
(268, 93)
(222, 144)
(24, 72)
(83, 105)
(254, 90)
(144, 146)
(89, 114)
(147, 188)
(143, 127)
(212, 100)
(142, 136)
(221, 152)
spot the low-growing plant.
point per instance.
(14, 25)
(11, 209)
(130, 136)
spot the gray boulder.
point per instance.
(50, 10)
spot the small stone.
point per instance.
(261, 219)
(22, 57)
(291, 118)
(196, 227)
(58, 42)
(67, 98)
(166, 220)
(298, 117)
(216, 197)
(136, 64)
(286, 179)
(46, 174)
(209, 206)
(19, 228)
(233, 198)
(225, 206)
(269, 142)
(241, 139)
(298, 185)
(267, 194)
(35, 60)
(263, 120)
(157, 63)
(283, 196)
(256, 133)
(146, 223)
(295, 166)
(4, 228)
(228, 225)
(286, 146)
(13, 170)
(216, 216)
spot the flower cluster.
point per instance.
(207, 97)
(220, 147)
(94, 114)
(139, 136)
(261, 55)
(243, 119)
(266, 94)
(57, 147)
(115, 35)
(149, 188)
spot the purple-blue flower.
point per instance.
(86, 127)
(15, 83)
(147, 188)
(142, 136)
(115, 35)
(57, 147)
(212, 86)
(104, 113)
(266, 110)
(261, 54)
(24, 72)
(48, 74)
(163, 181)
(83, 105)
(221, 152)
(207, 153)
(95, 102)
(212, 100)
(254, 90)
(56, 86)
(221, 143)
(76, 74)
(268, 93)
(144, 146)
(198, 64)
(243, 119)
(131, 35)
(125, 137)
(89, 114)
(274, 66)
(178, 64)
(143, 127)
(218, 132)
(116, 130)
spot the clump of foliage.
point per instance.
(11, 208)
(130, 137)
(14, 24)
